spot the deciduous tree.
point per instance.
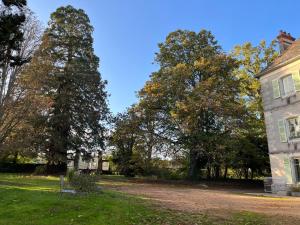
(195, 89)
(123, 139)
(252, 134)
(20, 34)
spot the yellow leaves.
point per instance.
(215, 65)
(151, 88)
(182, 107)
(180, 66)
(201, 63)
(174, 114)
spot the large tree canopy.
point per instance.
(12, 18)
(195, 89)
(75, 119)
(20, 34)
(250, 141)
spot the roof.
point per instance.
(288, 56)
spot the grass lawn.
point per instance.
(36, 200)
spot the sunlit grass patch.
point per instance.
(114, 183)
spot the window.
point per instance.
(297, 169)
(294, 127)
(288, 85)
(289, 129)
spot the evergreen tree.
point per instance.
(75, 120)
(12, 18)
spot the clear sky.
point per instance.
(127, 31)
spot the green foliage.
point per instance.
(295, 188)
(77, 112)
(253, 59)
(250, 141)
(18, 39)
(123, 139)
(40, 170)
(194, 91)
(11, 34)
(185, 110)
(165, 173)
(70, 174)
(166, 169)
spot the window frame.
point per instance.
(287, 129)
(282, 89)
(295, 172)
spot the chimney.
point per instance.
(285, 40)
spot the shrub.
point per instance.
(83, 183)
(295, 188)
(40, 170)
(70, 174)
(6, 167)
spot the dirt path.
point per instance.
(199, 198)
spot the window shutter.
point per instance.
(288, 170)
(276, 89)
(282, 131)
(296, 78)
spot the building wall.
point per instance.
(281, 153)
(271, 120)
(267, 89)
(91, 164)
(276, 109)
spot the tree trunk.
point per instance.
(217, 172)
(99, 170)
(15, 158)
(208, 174)
(225, 172)
(194, 167)
(76, 160)
(148, 159)
(246, 173)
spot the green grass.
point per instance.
(36, 200)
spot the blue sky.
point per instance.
(127, 31)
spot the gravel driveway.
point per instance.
(199, 198)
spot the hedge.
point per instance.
(30, 168)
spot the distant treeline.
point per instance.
(201, 110)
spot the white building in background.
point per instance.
(280, 84)
(91, 164)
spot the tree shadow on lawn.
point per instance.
(230, 185)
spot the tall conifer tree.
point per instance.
(76, 117)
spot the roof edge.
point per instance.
(264, 72)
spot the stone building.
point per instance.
(280, 83)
